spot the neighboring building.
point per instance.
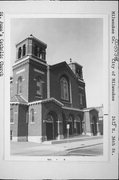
(47, 101)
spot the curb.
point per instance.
(82, 146)
(73, 140)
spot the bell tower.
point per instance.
(31, 46)
(77, 69)
(30, 69)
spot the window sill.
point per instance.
(11, 122)
(65, 101)
(32, 122)
(39, 95)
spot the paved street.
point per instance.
(95, 150)
(86, 146)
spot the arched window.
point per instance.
(39, 86)
(64, 89)
(24, 50)
(50, 118)
(19, 52)
(32, 115)
(19, 85)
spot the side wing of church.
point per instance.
(48, 101)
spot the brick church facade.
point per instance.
(48, 101)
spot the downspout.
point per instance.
(48, 81)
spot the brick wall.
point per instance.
(22, 123)
(55, 91)
(14, 124)
(21, 70)
(35, 128)
(35, 70)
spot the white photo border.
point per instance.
(60, 169)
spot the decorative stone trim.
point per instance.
(81, 80)
(35, 102)
(18, 103)
(52, 99)
(24, 60)
(72, 109)
(39, 71)
(24, 99)
(89, 109)
(34, 59)
(81, 87)
(20, 71)
(46, 100)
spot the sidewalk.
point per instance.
(70, 144)
(59, 147)
(73, 139)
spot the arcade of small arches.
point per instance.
(37, 51)
(60, 123)
(72, 125)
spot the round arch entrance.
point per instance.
(51, 126)
(71, 124)
(78, 125)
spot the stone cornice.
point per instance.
(46, 100)
(40, 102)
(26, 60)
(18, 103)
(72, 109)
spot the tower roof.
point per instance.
(75, 63)
(34, 38)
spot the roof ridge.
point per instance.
(67, 65)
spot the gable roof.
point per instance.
(46, 101)
(18, 99)
(62, 64)
(34, 38)
(90, 109)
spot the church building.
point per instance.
(48, 102)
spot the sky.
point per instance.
(80, 39)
